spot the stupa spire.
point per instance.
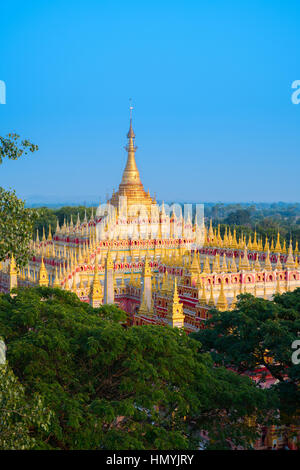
(43, 275)
(222, 304)
(290, 263)
(131, 173)
(131, 186)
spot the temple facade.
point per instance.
(159, 265)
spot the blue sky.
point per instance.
(210, 83)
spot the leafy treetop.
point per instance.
(112, 387)
(12, 147)
(259, 333)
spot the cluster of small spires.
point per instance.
(80, 228)
(193, 264)
(213, 238)
(70, 258)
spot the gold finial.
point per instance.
(211, 301)
(290, 263)
(175, 292)
(57, 226)
(244, 264)
(143, 309)
(268, 266)
(203, 300)
(12, 266)
(216, 264)
(257, 266)
(130, 133)
(194, 268)
(131, 173)
(81, 285)
(278, 264)
(206, 267)
(130, 108)
(56, 282)
(277, 290)
(74, 285)
(266, 244)
(222, 304)
(28, 273)
(265, 292)
(175, 315)
(284, 247)
(49, 233)
(233, 265)
(43, 275)
(278, 245)
(224, 265)
(96, 294)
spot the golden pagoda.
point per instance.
(278, 248)
(96, 294)
(56, 282)
(290, 262)
(211, 301)
(131, 185)
(203, 300)
(43, 275)
(268, 265)
(222, 303)
(151, 251)
(175, 316)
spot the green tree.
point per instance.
(12, 147)
(20, 417)
(112, 387)
(259, 333)
(16, 222)
(50, 217)
(16, 226)
(239, 217)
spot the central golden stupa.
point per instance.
(131, 186)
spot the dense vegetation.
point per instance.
(112, 387)
(259, 332)
(266, 219)
(19, 414)
(16, 221)
(47, 216)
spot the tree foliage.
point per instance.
(16, 222)
(47, 216)
(12, 147)
(264, 218)
(20, 417)
(239, 217)
(16, 226)
(259, 333)
(112, 387)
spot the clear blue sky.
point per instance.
(210, 83)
